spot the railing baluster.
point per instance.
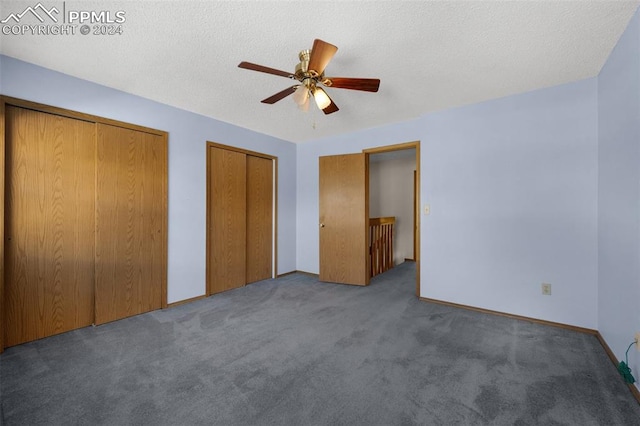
(381, 244)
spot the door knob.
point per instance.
(322, 225)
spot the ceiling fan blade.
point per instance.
(261, 68)
(331, 108)
(280, 95)
(321, 54)
(365, 84)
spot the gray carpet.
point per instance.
(294, 351)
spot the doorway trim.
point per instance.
(399, 147)
(274, 269)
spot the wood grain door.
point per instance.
(131, 221)
(259, 218)
(228, 220)
(344, 219)
(49, 220)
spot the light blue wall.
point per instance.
(512, 185)
(512, 188)
(619, 195)
(188, 133)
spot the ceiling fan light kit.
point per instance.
(301, 95)
(321, 97)
(310, 73)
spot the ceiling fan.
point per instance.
(310, 73)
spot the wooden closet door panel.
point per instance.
(228, 222)
(259, 218)
(50, 170)
(131, 225)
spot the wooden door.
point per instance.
(344, 219)
(131, 222)
(228, 220)
(49, 220)
(259, 218)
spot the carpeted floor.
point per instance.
(294, 351)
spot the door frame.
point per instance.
(399, 147)
(274, 234)
(21, 103)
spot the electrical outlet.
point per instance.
(638, 341)
(546, 289)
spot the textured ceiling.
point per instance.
(429, 55)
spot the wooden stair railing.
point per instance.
(381, 244)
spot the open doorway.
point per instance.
(394, 178)
(344, 219)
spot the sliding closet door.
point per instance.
(49, 224)
(228, 219)
(259, 218)
(131, 222)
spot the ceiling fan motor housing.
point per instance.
(303, 74)
(303, 67)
